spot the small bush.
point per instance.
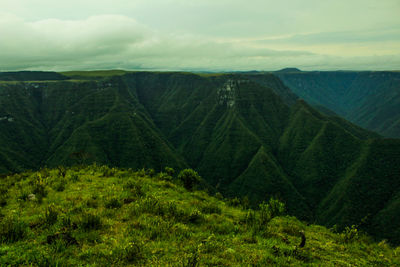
(164, 176)
(152, 205)
(107, 172)
(130, 253)
(195, 217)
(234, 202)
(192, 259)
(74, 178)
(113, 203)
(59, 186)
(92, 203)
(210, 208)
(23, 195)
(44, 173)
(133, 252)
(219, 196)
(189, 178)
(90, 221)
(51, 215)
(134, 187)
(39, 188)
(350, 234)
(3, 200)
(12, 230)
(62, 171)
(270, 210)
(169, 171)
(150, 172)
(249, 218)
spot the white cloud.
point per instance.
(192, 35)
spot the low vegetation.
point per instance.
(104, 216)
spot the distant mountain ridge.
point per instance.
(31, 76)
(370, 99)
(246, 134)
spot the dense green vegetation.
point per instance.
(247, 136)
(31, 76)
(370, 99)
(104, 216)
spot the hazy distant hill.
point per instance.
(31, 76)
(246, 135)
(369, 99)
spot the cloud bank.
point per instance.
(103, 41)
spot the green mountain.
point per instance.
(369, 99)
(247, 135)
(100, 216)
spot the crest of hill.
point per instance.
(289, 70)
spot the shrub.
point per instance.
(107, 172)
(164, 176)
(62, 171)
(189, 178)
(129, 253)
(113, 203)
(3, 200)
(51, 215)
(195, 217)
(59, 185)
(39, 187)
(219, 196)
(133, 252)
(270, 210)
(169, 171)
(192, 259)
(249, 218)
(134, 187)
(210, 207)
(150, 172)
(74, 178)
(23, 194)
(92, 202)
(234, 202)
(12, 230)
(152, 205)
(90, 221)
(349, 234)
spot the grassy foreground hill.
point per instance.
(104, 216)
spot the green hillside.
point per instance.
(369, 99)
(101, 216)
(249, 137)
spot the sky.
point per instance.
(207, 35)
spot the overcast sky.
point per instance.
(216, 35)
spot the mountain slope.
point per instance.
(241, 134)
(369, 99)
(67, 117)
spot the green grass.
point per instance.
(94, 73)
(106, 216)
